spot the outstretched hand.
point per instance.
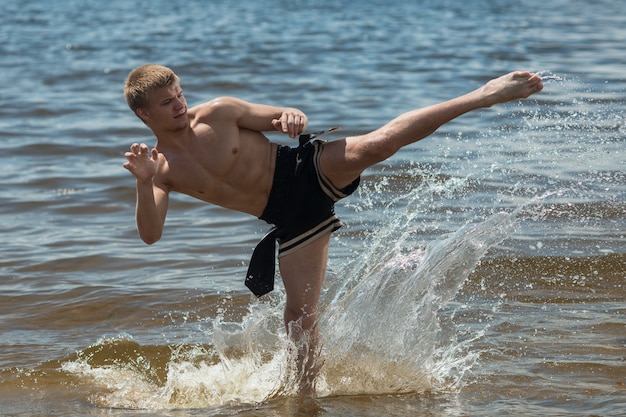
(291, 122)
(142, 162)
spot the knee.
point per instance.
(378, 147)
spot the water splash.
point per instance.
(193, 376)
(383, 333)
(548, 76)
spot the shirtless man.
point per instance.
(216, 152)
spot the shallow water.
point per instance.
(481, 272)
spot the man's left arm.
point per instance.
(261, 117)
(291, 122)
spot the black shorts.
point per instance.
(301, 202)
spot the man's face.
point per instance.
(166, 109)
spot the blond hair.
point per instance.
(143, 80)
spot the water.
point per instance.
(482, 269)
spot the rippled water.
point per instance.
(482, 271)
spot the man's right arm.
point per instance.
(152, 200)
(150, 211)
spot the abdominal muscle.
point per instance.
(234, 177)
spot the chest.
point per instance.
(205, 160)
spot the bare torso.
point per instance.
(219, 163)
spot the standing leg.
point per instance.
(303, 274)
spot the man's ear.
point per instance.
(142, 114)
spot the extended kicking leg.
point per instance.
(344, 160)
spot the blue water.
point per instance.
(481, 271)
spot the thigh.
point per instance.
(343, 160)
(303, 274)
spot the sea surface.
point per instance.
(481, 272)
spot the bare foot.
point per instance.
(512, 86)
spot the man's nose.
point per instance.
(179, 103)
